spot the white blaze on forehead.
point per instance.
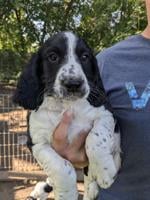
(72, 41)
(71, 68)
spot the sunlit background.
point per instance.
(24, 25)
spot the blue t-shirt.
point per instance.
(125, 72)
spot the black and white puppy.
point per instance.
(63, 75)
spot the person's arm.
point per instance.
(75, 151)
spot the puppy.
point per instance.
(63, 75)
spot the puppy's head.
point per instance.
(64, 67)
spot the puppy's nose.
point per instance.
(72, 84)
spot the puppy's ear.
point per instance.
(30, 86)
(97, 96)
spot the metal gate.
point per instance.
(14, 154)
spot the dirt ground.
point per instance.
(19, 190)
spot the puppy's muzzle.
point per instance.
(73, 86)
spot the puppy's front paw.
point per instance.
(105, 179)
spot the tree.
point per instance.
(26, 24)
(105, 23)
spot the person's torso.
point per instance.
(125, 71)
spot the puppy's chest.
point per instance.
(51, 112)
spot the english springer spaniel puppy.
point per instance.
(63, 75)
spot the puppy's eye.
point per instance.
(85, 56)
(53, 57)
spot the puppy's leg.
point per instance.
(100, 149)
(61, 173)
(41, 191)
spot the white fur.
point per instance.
(38, 191)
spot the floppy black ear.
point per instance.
(29, 86)
(97, 96)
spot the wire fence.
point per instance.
(14, 154)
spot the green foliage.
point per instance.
(26, 24)
(10, 65)
(95, 25)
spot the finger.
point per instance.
(82, 160)
(67, 117)
(61, 132)
(83, 156)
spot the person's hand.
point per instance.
(75, 151)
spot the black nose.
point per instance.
(72, 84)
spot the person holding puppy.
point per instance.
(125, 71)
